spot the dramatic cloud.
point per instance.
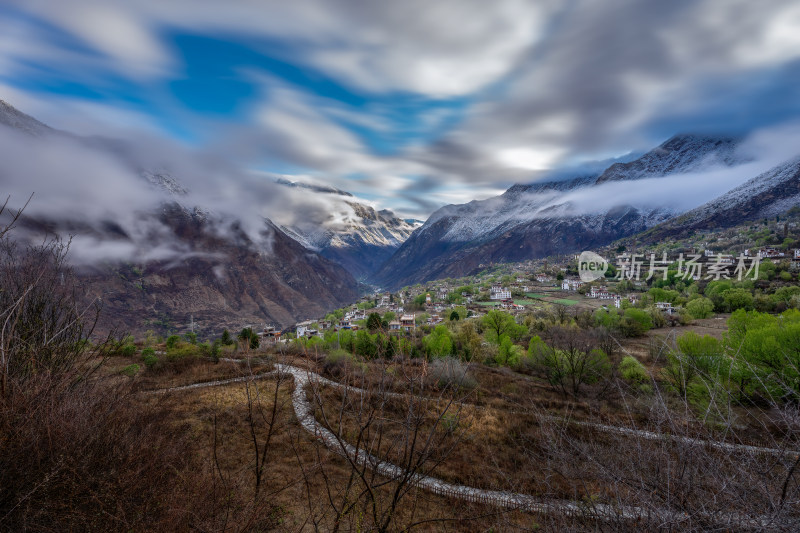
(410, 104)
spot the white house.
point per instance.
(600, 293)
(500, 293)
(666, 307)
(770, 253)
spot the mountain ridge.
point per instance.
(538, 219)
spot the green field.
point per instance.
(526, 302)
(564, 301)
(536, 295)
(490, 304)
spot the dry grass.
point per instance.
(493, 446)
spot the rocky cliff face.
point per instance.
(224, 280)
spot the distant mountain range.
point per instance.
(769, 194)
(568, 213)
(223, 276)
(356, 235)
(302, 266)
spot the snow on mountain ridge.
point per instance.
(13, 118)
(679, 154)
(782, 173)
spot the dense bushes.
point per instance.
(84, 458)
(700, 307)
(758, 360)
(75, 453)
(632, 322)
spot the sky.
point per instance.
(409, 105)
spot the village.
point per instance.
(522, 287)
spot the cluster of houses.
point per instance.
(571, 284)
(602, 293)
(269, 335)
(775, 253)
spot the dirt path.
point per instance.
(304, 412)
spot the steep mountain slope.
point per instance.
(17, 120)
(223, 280)
(773, 192)
(680, 154)
(158, 265)
(353, 235)
(548, 217)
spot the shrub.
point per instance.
(129, 350)
(338, 362)
(182, 350)
(148, 351)
(150, 361)
(130, 370)
(700, 307)
(635, 322)
(172, 341)
(451, 372)
(634, 372)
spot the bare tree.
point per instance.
(388, 440)
(679, 471)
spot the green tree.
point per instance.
(454, 315)
(635, 322)
(607, 318)
(226, 338)
(366, 345)
(248, 339)
(737, 299)
(663, 295)
(439, 343)
(698, 359)
(374, 322)
(499, 323)
(700, 307)
(508, 354)
(172, 341)
(569, 359)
